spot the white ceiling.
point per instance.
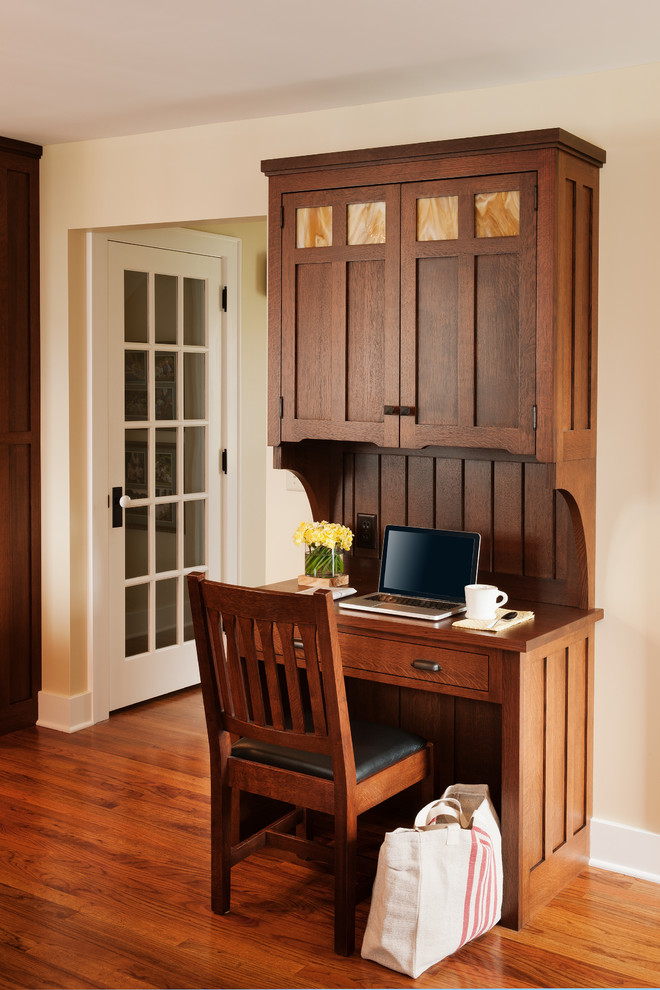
(77, 69)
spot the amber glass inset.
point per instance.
(314, 226)
(437, 218)
(365, 223)
(497, 214)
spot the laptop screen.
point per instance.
(428, 563)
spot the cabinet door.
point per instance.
(340, 315)
(468, 307)
(20, 549)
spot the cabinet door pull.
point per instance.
(427, 665)
(407, 411)
(391, 410)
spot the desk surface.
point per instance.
(548, 621)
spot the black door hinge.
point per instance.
(224, 299)
(281, 407)
(223, 462)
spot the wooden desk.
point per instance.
(511, 709)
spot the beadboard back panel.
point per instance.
(528, 543)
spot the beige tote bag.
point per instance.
(438, 885)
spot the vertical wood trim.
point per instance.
(577, 727)
(339, 344)
(546, 279)
(421, 492)
(275, 302)
(478, 498)
(393, 508)
(508, 517)
(449, 493)
(467, 371)
(534, 746)
(394, 329)
(515, 811)
(19, 343)
(577, 318)
(555, 755)
(539, 522)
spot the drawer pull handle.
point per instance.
(298, 644)
(427, 665)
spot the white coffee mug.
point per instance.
(483, 600)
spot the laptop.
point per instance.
(423, 573)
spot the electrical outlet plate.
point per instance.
(366, 531)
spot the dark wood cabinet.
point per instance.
(445, 297)
(468, 313)
(340, 325)
(20, 550)
(433, 345)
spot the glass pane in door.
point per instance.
(165, 291)
(194, 303)
(193, 463)
(193, 386)
(136, 306)
(193, 533)
(137, 619)
(166, 612)
(164, 456)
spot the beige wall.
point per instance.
(208, 173)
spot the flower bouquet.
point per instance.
(325, 544)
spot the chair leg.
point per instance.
(428, 785)
(222, 800)
(345, 879)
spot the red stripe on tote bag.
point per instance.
(480, 894)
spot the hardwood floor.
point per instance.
(104, 864)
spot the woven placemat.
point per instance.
(487, 624)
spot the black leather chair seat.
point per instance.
(375, 747)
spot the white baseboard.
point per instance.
(622, 849)
(56, 711)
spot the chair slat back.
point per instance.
(270, 667)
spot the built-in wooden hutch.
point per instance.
(432, 362)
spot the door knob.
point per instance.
(119, 502)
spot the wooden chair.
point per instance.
(275, 679)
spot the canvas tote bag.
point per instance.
(438, 885)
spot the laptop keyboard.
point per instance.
(400, 600)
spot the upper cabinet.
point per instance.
(437, 295)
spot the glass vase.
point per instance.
(323, 562)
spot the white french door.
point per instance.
(165, 441)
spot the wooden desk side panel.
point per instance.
(554, 769)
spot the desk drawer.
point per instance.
(408, 660)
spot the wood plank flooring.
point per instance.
(104, 865)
